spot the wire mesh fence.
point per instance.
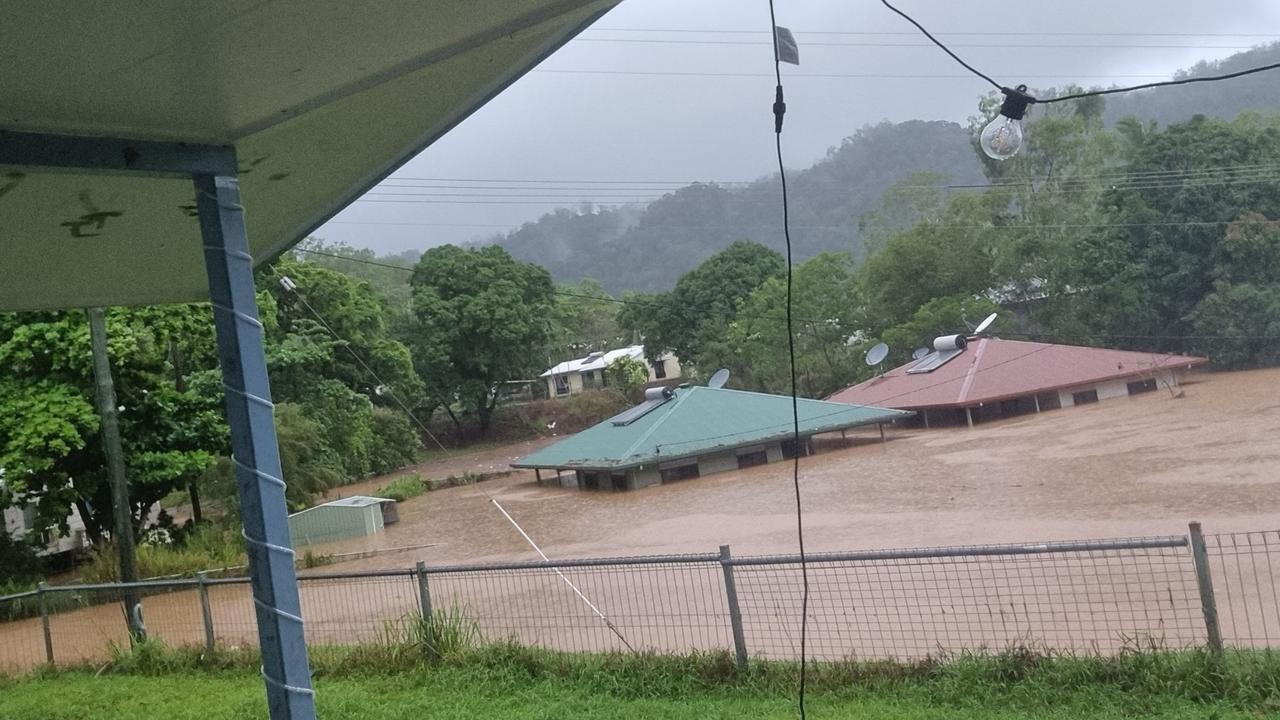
(1245, 570)
(1098, 596)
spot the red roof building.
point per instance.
(990, 378)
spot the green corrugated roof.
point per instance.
(699, 420)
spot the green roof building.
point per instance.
(694, 431)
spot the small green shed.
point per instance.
(353, 517)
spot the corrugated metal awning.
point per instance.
(320, 98)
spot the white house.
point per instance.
(573, 376)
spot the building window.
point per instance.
(589, 479)
(753, 458)
(562, 384)
(790, 449)
(618, 480)
(660, 369)
(1138, 387)
(679, 472)
(1085, 396)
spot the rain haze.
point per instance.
(659, 93)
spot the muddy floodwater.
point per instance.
(1139, 466)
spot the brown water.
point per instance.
(1139, 466)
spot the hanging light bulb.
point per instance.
(1002, 137)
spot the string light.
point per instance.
(1002, 137)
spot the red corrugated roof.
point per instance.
(992, 369)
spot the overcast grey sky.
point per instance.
(600, 121)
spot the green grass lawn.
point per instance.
(531, 684)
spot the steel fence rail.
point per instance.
(1084, 596)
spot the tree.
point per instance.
(629, 376)
(49, 446)
(483, 318)
(695, 315)
(1238, 321)
(1143, 278)
(826, 312)
(583, 324)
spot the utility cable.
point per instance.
(1020, 92)
(341, 340)
(779, 112)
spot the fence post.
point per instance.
(1200, 555)
(206, 611)
(424, 593)
(735, 613)
(44, 620)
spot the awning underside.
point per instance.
(321, 99)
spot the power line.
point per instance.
(550, 183)
(985, 33)
(381, 383)
(808, 44)
(833, 322)
(840, 76)
(1074, 96)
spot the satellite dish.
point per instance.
(877, 354)
(719, 378)
(919, 353)
(982, 326)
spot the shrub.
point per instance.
(403, 488)
(207, 547)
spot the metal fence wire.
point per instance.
(1095, 596)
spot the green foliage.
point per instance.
(583, 325)
(206, 548)
(395, 441)
(481, 317)
(588, 408)
(49, 446)
(1171, 263)
(629, 376)
(19, 563)
(398, 677)
(691, 319)
(826, 313)
(648, 249)
(403, 488)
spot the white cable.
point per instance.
(557, 571)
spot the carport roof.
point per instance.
(320, 99)
(697, 421)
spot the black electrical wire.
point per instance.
(1076, 96)
(779, 111)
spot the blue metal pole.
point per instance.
(263, 511)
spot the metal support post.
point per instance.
(968, 416)
(1200, 556)
(41, 589)
(113, 450)
(206, 612)
(735, 613)
(256, 455)
(424, 592)
(881, 426)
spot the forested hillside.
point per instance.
(648, 249)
